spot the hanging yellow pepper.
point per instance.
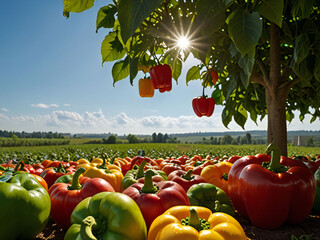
(195, 223)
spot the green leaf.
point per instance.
(272, 10)
(289, 116)
(232, 86)
(302, 8)
(210, 15)
(176, 69)
(246, 63)
(253, 115)
(105, 17)
(244, 29)
(216, 94)
(301, 48)
(226, 117)
(77, 5)
(193, 74)
(241, 116)
(111, 48)
(121, 70)
(131, 13)
(133, 69)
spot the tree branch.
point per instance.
(263, 69)
(255, 77)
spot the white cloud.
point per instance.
(66, 105)
(97, 122)
(4, 109)
(45, 106)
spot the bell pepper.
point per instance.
(111, 173)
(195, 223)
(155, 198)
(65, 197)
(161, 76)
(203, 106)
(41, 181)
(123, 163)
(185, 179)
(217, 174)
(132, 176)
(270, 194)
(214, 75)
(209, 196)
(52, 174)
(316, 203)
(109, 216)
(87, 164)
(25, 206)
(137, 160)
(146, 87)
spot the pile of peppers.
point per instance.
(158, 199)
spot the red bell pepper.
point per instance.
(137, 160)
(161, 76)
(203, 106)
(271, 194)
(185, 179)
(66, 196)
(52, 174)
(154, 199)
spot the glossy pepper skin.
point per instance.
(146, 87)
(185, 179)
(52, 174)
(65, 196)
(111, 173)
(267, 198)
(203, 106)
(201, 224)
(25, 207)
(161, 76)
(116, 217)
(209, 196)
(133, 176)
(316, 203)
(155, 198)
(217, 174)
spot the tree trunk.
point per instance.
(276, 95)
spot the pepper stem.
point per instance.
(86, 228)
(140, 171)
(20, 165)
(75, 185)
(148, 186)
(103, 165)
(275, 156)
(204, 96)
(61, 169)
(188, 176)
(194, 220)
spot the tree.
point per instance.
(154, 137)
(248, 136)
(132, 138)
(227, 139)
(266, 52)
(110, 140)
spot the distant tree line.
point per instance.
(229, 140)
(23, 134)
(14, 141)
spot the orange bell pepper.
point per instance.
(195, 223)
(145, 87)
(217, 175)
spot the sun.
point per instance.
(183, 42)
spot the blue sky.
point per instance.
(52, 79)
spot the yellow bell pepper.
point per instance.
(217, 175)
(111, 173)
(195, 223)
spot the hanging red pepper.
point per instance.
(203, 106)
(214, 75)
(271, 194)
(154, 199)
(161, 76)
(66, 196)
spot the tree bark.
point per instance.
(276, 95)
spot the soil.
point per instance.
(309, 229)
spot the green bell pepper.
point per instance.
(108, 216)
(209, 196)
(316, 203)
(25, 206)
(133, 175)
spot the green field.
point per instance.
(160, 150)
